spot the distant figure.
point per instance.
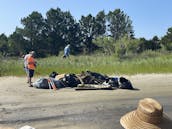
(66, 51)
(31, 65)
(25, 66)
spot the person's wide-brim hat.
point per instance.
(148, 115)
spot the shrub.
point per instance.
(106, 44)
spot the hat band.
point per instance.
(147, 118)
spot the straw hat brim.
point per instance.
(131, 121)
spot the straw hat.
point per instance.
(148, 115)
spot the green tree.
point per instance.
(17, 44)
(34, 26)
(3, 45)
(92, 27)
(119, 24)
(70, 32)
(62, 29)
(166, 41)
(55, 26)
(100, 24)
(143, 45)
(87, 29)
(155, 42)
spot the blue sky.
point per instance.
(150, 17)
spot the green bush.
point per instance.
(126, 46)
(106, 45)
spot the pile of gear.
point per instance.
(85, 81)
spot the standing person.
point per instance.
(25, 66)
(31, 64)
(66, 51)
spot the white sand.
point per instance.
(69, 109)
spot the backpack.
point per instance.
(70, 80)
(125, 83)
(113, 81)
(94, 78)
(41, 83)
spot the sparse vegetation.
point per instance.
(148, 62)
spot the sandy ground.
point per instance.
(69, 109)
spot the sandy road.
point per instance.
(69, 109)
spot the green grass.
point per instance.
(103, 64)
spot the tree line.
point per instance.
(109, 33)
